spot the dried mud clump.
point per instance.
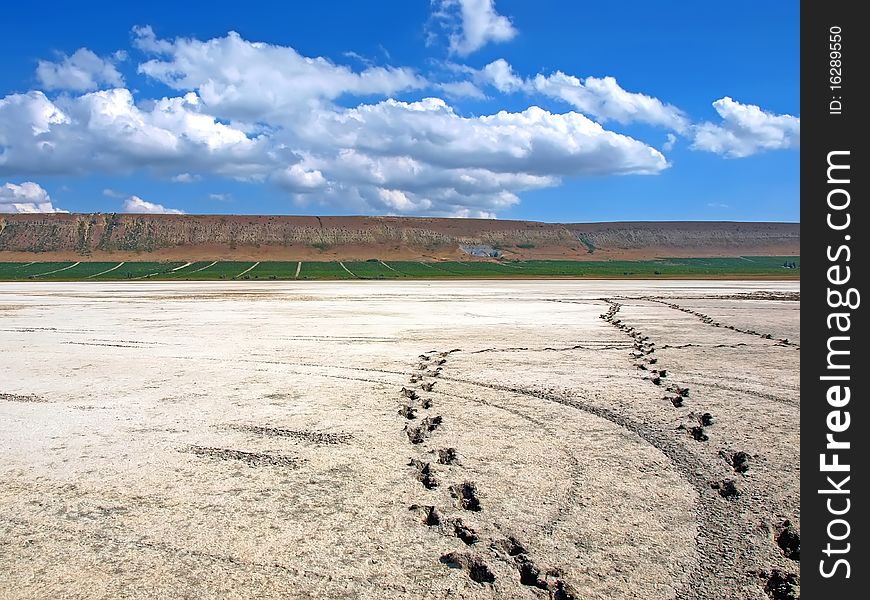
(466, 496)
(21, 398)
(315, 437)
(252, 459)
(477, 570)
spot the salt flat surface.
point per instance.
(244, 440)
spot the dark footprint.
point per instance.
(698, 434)
(431, 423)
(424, 473)
(739, 461)
(427, 387)
(706, 419)
(677, 401)
(464, 532)
(530, 574)
(410, 394)
(509, 546)
(466, 496)
(789, 541)
(561, 591)
(426, 403)
(681, 391)
(782, 586)
(408, 412)
(727, 488)
(431, 517)
(448, 456)
(475, 567)
(416, 435)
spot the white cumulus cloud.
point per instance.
(135, 204)
(534, 141)
(746, 129)
(606, 100)
(106, 131)
(83, 71)
(26, 197)
(245, 80)
(501, 76)
(267, 114)
(473, 24)
(186, 178)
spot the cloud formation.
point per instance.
(473, 24)
(107, 132)
(746, 129)
(602, 98)
(82, 72)
(27, 197)
(255, 81)
(328, 133)
(135, 204)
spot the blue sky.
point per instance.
(541, 110)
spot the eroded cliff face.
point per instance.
(225, 237)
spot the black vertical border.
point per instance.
(823, 132)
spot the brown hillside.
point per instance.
(25, 237)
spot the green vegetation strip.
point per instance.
(750, 266)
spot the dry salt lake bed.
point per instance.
(462, 439)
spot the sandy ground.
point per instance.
(236, 440)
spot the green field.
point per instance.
(746, 266)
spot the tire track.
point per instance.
(106, 271)
(202, 268)
(177, 553)
(348, 270)
(466, 496)
(246, 270)
(75, 264)
(715, 323)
